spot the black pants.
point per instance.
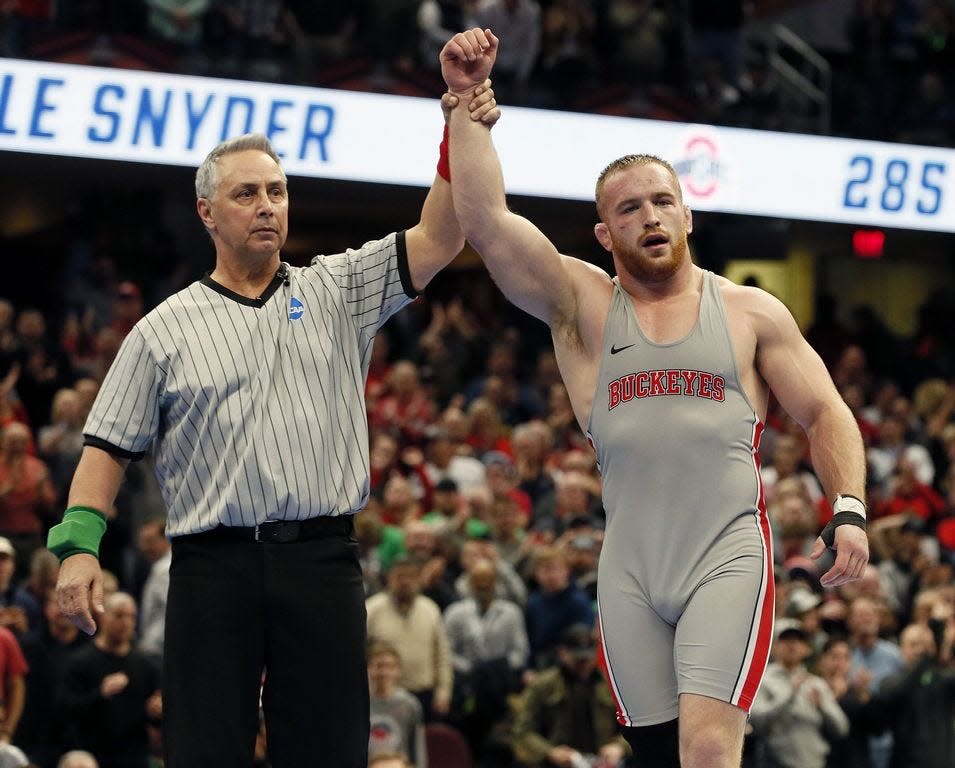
(294, 611)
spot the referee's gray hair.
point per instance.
(207, 176)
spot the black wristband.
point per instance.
(828, 534)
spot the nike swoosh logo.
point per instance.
(614, 350)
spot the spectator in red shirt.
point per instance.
(405, 404)
(854, 396)
(488, 432)
(399, 502)
(13, 668)
(11, 409)
(378, 370)
(26, 493)
(910, 496)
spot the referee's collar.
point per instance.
(261, 301)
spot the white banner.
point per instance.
(118, 114)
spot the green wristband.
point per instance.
(81, 531)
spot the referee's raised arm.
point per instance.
(79, 587)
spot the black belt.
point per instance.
(283, 531)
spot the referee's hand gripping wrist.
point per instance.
(481, 105)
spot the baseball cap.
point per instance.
(801, 565)
(6, 548)
(803, 568)
(579, 640)
(801, 600)
(791, 628)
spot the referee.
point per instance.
(247, 388)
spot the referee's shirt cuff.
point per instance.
(404, 271)
(115, 450)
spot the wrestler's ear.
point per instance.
(602, 233)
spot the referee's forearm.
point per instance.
(96, 480)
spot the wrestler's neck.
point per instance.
(686, 280)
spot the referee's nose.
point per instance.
(265, 205)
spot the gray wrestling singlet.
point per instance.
(685, 584)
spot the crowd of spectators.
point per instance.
(709, 61)
(480, 541)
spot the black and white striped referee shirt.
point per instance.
(255, 408)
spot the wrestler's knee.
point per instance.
(709, 745)
(711, 732)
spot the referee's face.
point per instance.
(248, 215)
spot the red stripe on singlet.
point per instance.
(764, 632)
(608, 675)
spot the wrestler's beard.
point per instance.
(647, 269)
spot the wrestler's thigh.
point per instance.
(722, 638)
(638, 656)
